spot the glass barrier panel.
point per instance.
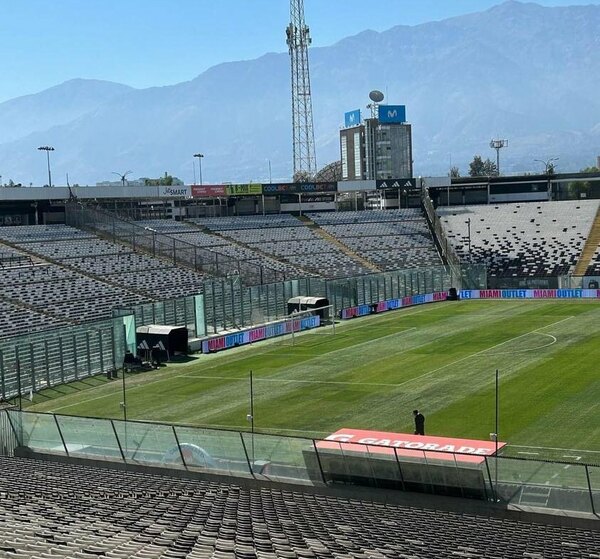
(542, 484)
(281, 458)
(472, 478)
(217, 451)
(594, 473)
(415, 471)
(384, 467)
(332, 461)
(38, 431)
(89, 438)
(152, 444)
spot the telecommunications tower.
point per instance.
(298, 40)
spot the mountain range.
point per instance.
(519, 71)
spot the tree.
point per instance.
(480, 168)
(582, 189)
(489, 168)
(454, 172)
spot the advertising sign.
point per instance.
(299, 187)
(530, 294)
(208, 191)
(174, 191)
(243, 337)
(396, 183)
(352, 118)
(414, 446)
(392, 304)
(389, 114)
(243, 189)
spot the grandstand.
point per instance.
(67, 279)
(90, 511)
(521, 240)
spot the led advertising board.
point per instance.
(392, 114)
(243, 189)
(530, 294)
(208, 191)
(299, 187)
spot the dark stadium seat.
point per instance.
(54, 509)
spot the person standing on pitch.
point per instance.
(419, 422)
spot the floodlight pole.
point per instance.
(124, 402)
(498, 145)
(468, 222)
(47, 149)
(199, 156)
(252, 417)
(497, 426)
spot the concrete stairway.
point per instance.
(337, 243)
(590, 247)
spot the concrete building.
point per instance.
(377, 148)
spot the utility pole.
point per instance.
(298, 41)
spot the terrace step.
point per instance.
(344, 248)
(590, 247)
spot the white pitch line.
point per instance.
(482, 351)
(290, 380)
(554, 340)
(532, 453)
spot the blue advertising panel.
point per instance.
(352, 118)
(392, 113)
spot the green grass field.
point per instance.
(440, 358)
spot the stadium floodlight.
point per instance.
(47, 149)
(498, 145)
(199, 156)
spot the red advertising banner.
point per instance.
(413, 446)
(208, 190)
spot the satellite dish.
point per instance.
(376, 96)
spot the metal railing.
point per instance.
(448, 253)
(162, 245)
(527, 482)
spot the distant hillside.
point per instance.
(60, 104)
(520, 71)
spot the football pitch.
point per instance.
(440, 358)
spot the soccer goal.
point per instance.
(312, 322)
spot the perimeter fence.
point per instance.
(301, 460)
(32, 362)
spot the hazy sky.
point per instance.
(158, 42)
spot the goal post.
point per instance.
(300, 323)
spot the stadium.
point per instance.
(218, 372)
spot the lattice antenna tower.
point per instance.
(298, 40)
